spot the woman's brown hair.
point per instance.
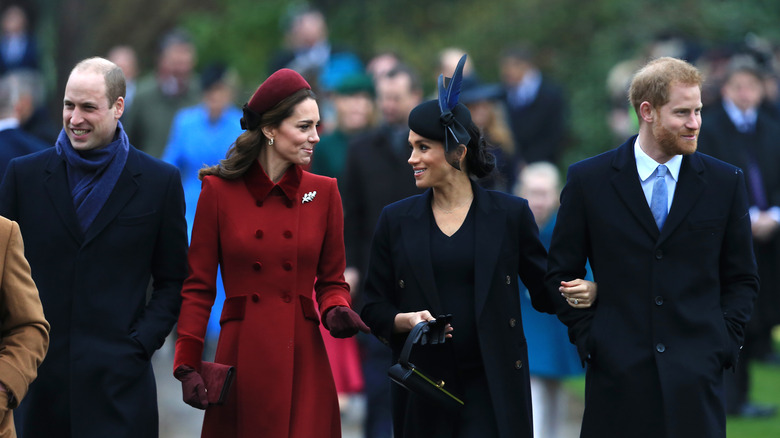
(247, 146)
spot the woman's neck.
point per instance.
(273, 165)
(454, 194)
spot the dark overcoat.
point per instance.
(401, 279)
(97, 379)
(672, 305)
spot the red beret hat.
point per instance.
(277, 87)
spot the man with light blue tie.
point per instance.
(667, 233)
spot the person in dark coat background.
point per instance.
(99, 220)
(536, 109)
(376, 174)
(673, 257)
(14, 142)
(458, 249)
(740, 131)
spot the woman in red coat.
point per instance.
(276, 232)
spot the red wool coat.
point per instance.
(273, 242)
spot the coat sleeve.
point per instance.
(24, 331)
(379, 308)
(533, 261)
(567, 260)
(169, 268)
(200, 288)
(738, 271)
(330, 286)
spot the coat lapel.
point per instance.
(125, 188)
(629, 188)
(490, 224)
(58, 190)
(690, 185)
(417, 244)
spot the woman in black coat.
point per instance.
(458, 249)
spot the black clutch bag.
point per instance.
(414, 380)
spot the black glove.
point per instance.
(343, 322)
(192, 387)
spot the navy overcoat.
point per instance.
(97, 379)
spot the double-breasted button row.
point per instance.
(401, 284)
(508, 279)
(287, 234)
(287, 266)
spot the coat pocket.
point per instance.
(307, 307)
(233, 309)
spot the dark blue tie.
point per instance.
(659, 201)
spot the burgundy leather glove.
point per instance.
(192, 387)
(343, 322)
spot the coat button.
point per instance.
(287, 234)
(512, 322)
(257, 266)
(660, 348)
(518, 364)
(508, 280)
(286, 298)
(401, 284)
(287, 266)
(259, 234)
(255, 298)
(259, 203)
(659, 300)
(659, 254)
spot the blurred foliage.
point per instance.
(577, 42)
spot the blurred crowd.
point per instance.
(188, 114)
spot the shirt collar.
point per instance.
(739, 117)
(8, 123)
(646, 166)
(260, 185)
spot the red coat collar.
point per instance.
(260, 185)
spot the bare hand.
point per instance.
(579, 293)
(405, 322)
(763, 227)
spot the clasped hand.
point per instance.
(579, 293)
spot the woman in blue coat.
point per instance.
(458, 249)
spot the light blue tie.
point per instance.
(659, 200)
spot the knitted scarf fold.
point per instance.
(93, 174)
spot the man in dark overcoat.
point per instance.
(99, 220)
(667, 233)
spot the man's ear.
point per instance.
(647, 112)
(119, 107)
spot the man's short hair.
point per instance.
(401, 69)
(652, 83)
(113, 75)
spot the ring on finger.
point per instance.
(576, 301)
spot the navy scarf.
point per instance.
(92, 174)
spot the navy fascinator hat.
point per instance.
(444, 119)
